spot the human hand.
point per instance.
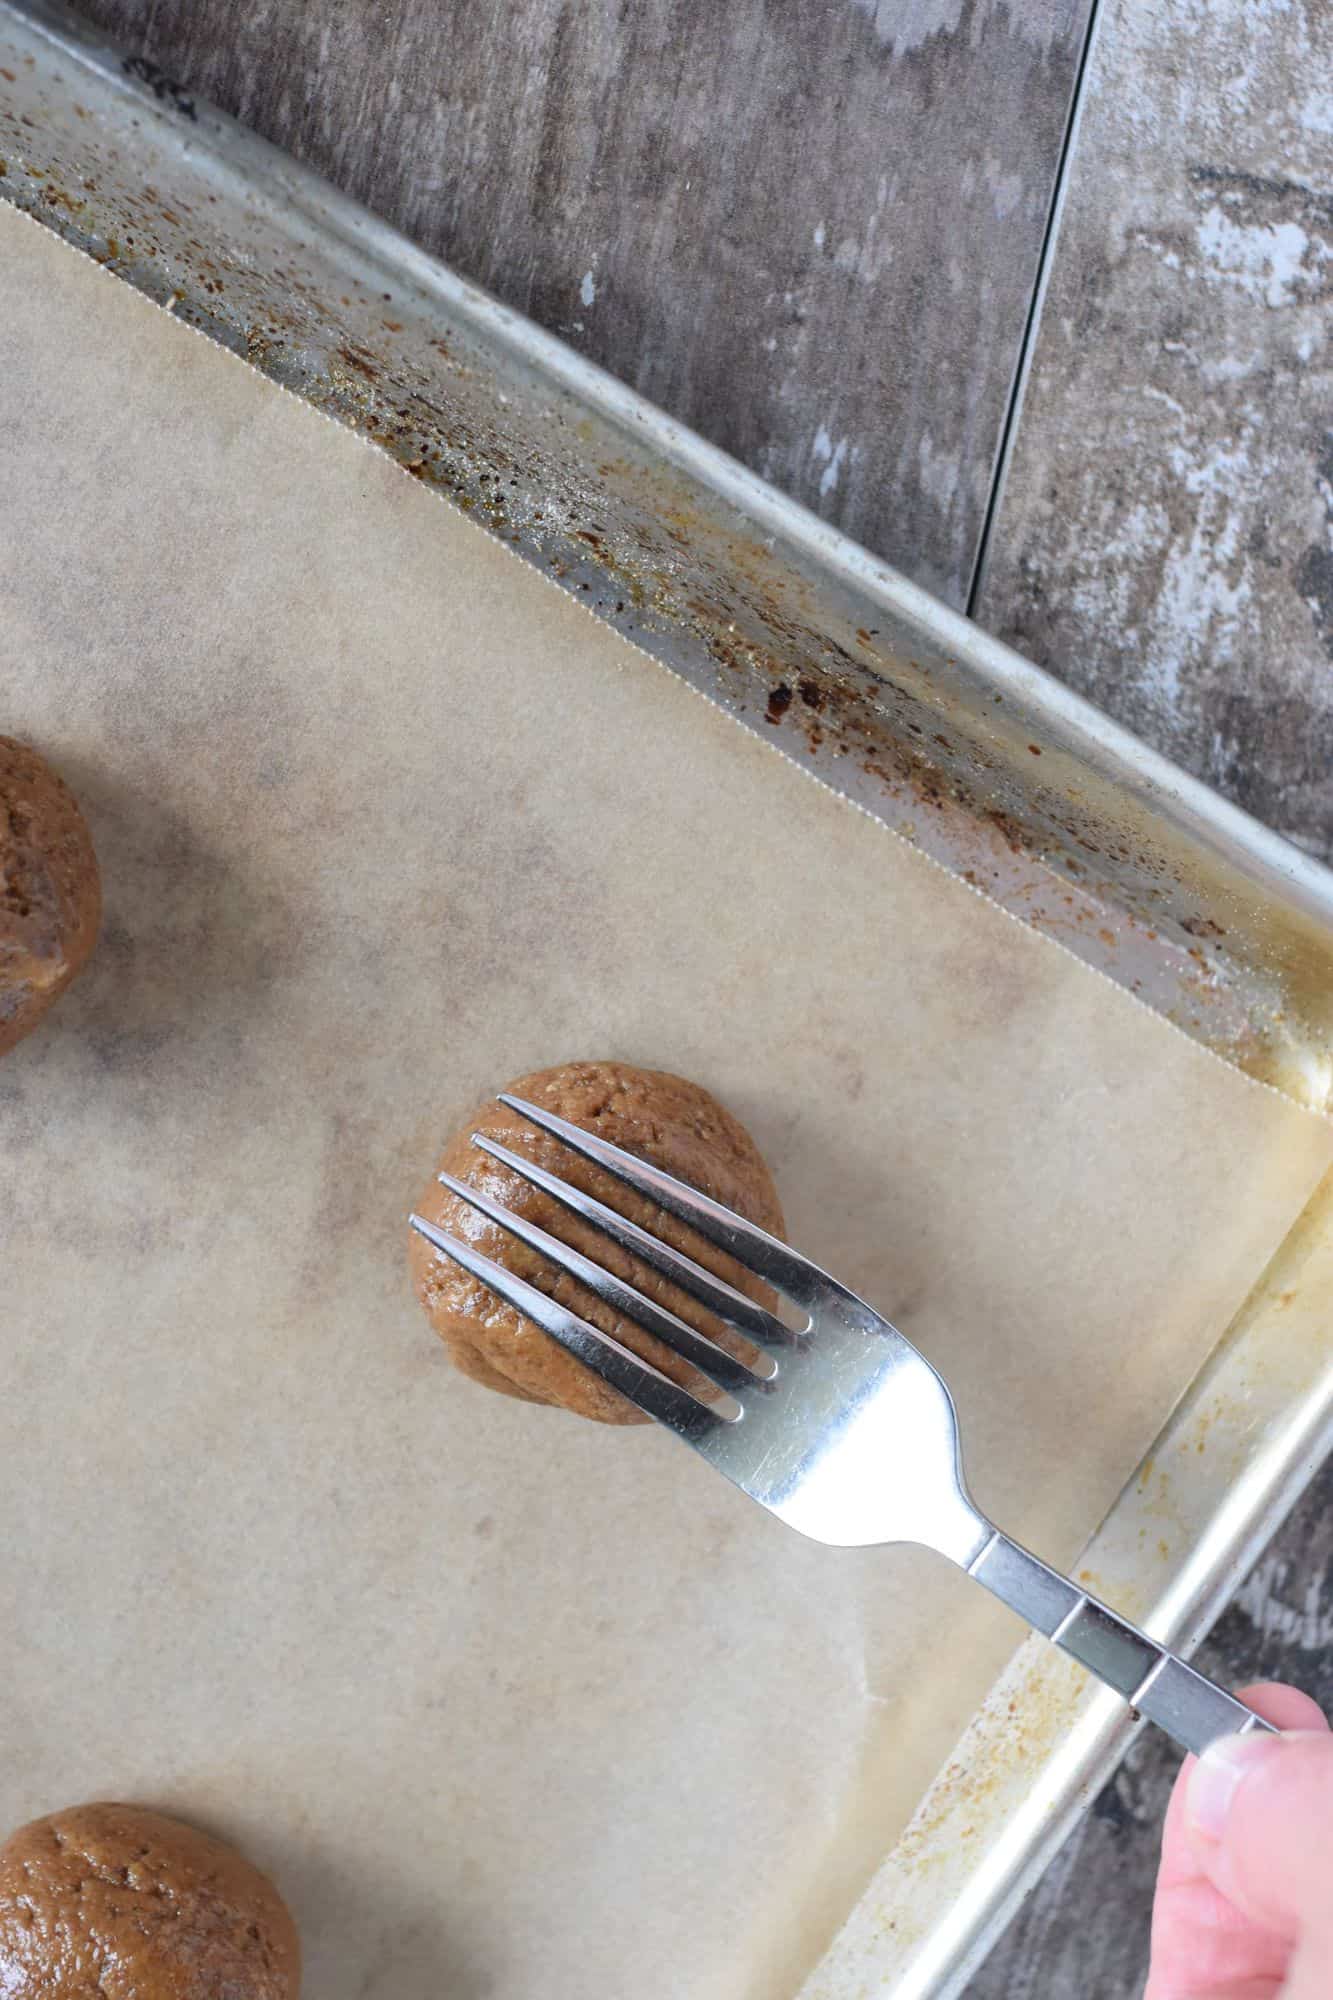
(1244, 1903)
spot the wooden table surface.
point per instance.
(1030, 298)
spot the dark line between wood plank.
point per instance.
(1032, 324)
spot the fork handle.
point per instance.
(1154, 1681)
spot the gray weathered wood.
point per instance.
(1165, 541)
(809, 229)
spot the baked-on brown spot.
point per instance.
(113, 1902)
(50, 890)
(664, 1119)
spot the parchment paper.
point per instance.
(513, 1706)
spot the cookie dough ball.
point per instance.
(111, 1902)
(671, 1123)
(50, 890)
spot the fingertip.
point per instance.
(1285, 1707)
(1258, 1814)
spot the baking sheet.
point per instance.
(512, 1706)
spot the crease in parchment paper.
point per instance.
(510, 1705)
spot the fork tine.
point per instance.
(694, 1347)
(765, 1255)
(720, 1297)
(636, 1380)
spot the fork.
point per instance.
(840, 1427)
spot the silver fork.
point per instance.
(844, 1431)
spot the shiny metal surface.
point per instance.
(851, 1437)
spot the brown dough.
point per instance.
(50, 890)
(113, 1902)
(664, 1119)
